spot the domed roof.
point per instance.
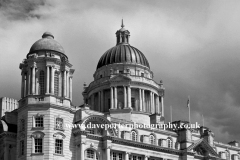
(123, 53)
(47, 43)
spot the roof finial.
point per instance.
(122, 24)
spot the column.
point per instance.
(126, 156)
(60, 84)
(143, 100)
(36, 85)
(150, 102)
(112, 98)
(33, 80)
(140, 100)
(82, 150)
(64, 83)
(102, 100)
(99, 101)
(23, 84)
(29, 81)
(157, 105)
(153, 101)
(47, 79)
(162, 106)
(129, 97)
(125, 96)
(108, 153)
(70, 87)
(146, 157)
(52, 80)
(115, 98)
(67, 84)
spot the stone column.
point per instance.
(146, 157)
(112, 104)
(33, 79)
(70, 87)
(115, 98)
(64, 84)
(162, 106)
(60, 84)
(127, 155)
(23, 85)
(99, 101)
(82, 150)
(47, 79)
(28, 81)
(36, 85)
(108, 150)
(157, 104)
(129, 97)
(67, 81)
(52, 80)
(143, 100)
(102, 100)
(151, 104)
(140, 100)
(125, 96)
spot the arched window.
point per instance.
(56, 84)
(134, 135)
(152, 139)
(42, 82)
(91, 155)
(169, 142)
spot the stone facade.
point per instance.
(48, 126)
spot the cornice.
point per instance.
(8, 134)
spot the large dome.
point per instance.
(46, 43)
(123, 53)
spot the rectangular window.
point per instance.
(59, 146)
(142, 74)
(120, 156)
(38, 145)
(114, 156)
(120, 72)
(59, 123)
(22, 125)
(21, 147)
(109, 103)
(134, 157)
(39, 121)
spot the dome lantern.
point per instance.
(122, 35)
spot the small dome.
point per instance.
(46, 43)
(123, 53)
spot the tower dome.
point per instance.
(123, 52)
(47, 43)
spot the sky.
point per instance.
(193, 46)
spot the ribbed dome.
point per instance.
(47, 43)
(123, 53)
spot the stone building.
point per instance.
(48, 126)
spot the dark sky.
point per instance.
(193, 46)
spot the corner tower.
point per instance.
(46, 101)
(123, 84)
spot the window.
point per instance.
(42, 82)
(58, 146)
(56, 83)
(59, 124)
(169, 142)
(91, 155)
(38, 145)
(152, 139)
(39, 121)
(109, 103)
(135, 158)
(120, 72)
(134, 135)
(133, 102)
(37, 139)
(116, 156)
(142, 74)
(21, 147)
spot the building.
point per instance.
(7, 105)
(48, 126)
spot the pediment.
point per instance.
(202, 148)
(119, 78)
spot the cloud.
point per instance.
(193, 46)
